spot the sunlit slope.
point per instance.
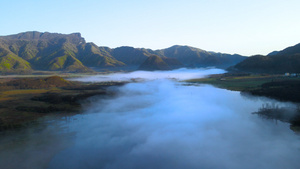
(51, 51)
(69, 52)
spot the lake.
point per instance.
(157, 121)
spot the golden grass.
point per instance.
(29, 91)
(21, 93)
(237, 83)
(5, 98)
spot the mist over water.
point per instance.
(165, 124)
(178, 74)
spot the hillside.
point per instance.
(154, 62)
(183, 56)
(194, 57)
(130, 55)
(93, 56)
(287, 60)
(51, 51)
(290, 50)
(172, 63)
(28, 51)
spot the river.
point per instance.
(157, 121)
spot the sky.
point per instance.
(245, 27)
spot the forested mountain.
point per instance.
(287, 60)
(29, 51)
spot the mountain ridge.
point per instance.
(284, 61)
(155, 62)
(28, 51)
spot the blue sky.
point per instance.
(245, 27)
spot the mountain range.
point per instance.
(284, 61)
(28, 51)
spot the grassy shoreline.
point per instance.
(237, 82)
(278, 87)
(23, 100)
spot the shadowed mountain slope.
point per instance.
(287, 60)
(155, 62)
(194, 57)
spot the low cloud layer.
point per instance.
(178, 74)
(162, 124)
(159, 124)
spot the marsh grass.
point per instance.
(237, 82)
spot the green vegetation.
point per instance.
(35, 83)
(92, 56)
(154, 62)
(275, 86)
(270, 64)
(53, 51)
(194, 57)
(253, 83)
(11, 61)
(47, 51)
(24, 100)
(285, 61)
(237, 82)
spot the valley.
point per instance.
(149, 84)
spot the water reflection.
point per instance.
(289, 114)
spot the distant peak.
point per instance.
(35, 35)
(76, 34)
(125, 47)
(273, 53)
(179, 46)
